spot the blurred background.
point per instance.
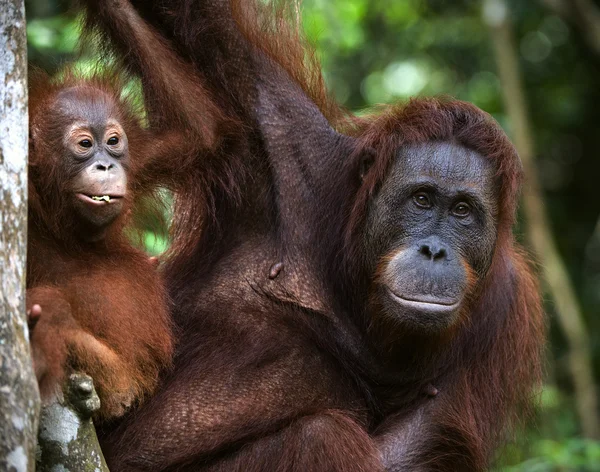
(535, 66)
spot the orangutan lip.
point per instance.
(100, 200)
(424, 304)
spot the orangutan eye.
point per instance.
(461, 210)
(112, 141)
(86, 143)
(422, 200)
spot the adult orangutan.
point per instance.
(95, 303)
(365, 306)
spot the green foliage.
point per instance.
(56, 34)
(52, 40)
(570, 454)
(154, 243)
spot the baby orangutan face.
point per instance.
(95, 157)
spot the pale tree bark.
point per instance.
(67, 436)
(560, 287)
(19, 398)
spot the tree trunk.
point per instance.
(19, 398)
(559, 285)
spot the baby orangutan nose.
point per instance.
(104, 166)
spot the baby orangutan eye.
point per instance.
(422, 200)
(461, 210)
(85, 143)
(112, 141)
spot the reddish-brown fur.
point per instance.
(292, 372)
(104, 307)
(104, 311)
(488, 371)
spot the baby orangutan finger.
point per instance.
(33, 316)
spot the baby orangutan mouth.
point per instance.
(99, 199)
(106, 198)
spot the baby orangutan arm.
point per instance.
(61, 346)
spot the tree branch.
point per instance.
(67, 436)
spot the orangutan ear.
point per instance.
(367, 159)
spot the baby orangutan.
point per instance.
(95, 303)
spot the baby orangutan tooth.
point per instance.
(106, 198)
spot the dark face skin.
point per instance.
(95, 157)
(431, 232)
